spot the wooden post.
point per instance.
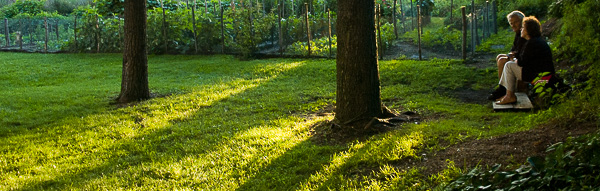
(222, 32)
(220, 7)
(451, 9)
(483, 22)
(473, 26)
(379, 40)
(283, 9)
(194, 27)
(7, 34)
(75, 31)
(280, 7)
(329, 26)
(251, 10)
(57, 33)
(487, 19)
(464, 32)
(20, 38)
(412, 15)
(30, 33)
(419, 29)
(307, 27)
(402, 17)
(46, 39)
(164, 27)
(494, 15)
(97, 35)
(394, 20)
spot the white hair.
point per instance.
(515, 14)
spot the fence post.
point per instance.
(222, 32)
(97, 35)
(473, 28)
(329, 26)
(57, 33)
(412, 16)
(164, 27)
(451, 9)
(280, 29)
(46, 39)
(307, 28)
(494, 15)
(402, 17)
(282, 9)
(483, 22)
(194, 28)
(419, 29)
(20, 37)
(394, 19)
(7, 34)
(464, 32)
(75, 31)
(379, 40)
(29, 31)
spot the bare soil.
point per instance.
(508, 150)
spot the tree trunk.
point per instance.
(358, 89)
(134, 84)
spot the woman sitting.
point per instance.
(535, 58)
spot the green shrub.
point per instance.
(578, 43)
(319, 47)
(63, 7)
(573, 165)
(22, 7)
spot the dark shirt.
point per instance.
(535, 58)
(518, 44)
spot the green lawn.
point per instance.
(218, 123)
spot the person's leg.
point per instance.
(510, 75)
(500, 62)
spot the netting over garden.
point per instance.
(248, 27)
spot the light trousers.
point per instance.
(512, 72)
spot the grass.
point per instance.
(223, 124)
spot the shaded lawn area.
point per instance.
(218, 123)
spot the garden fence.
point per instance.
(250, 30)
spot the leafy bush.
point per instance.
(573, 165)
(578, 43)
(23, 7)
(63, 7)
(443, 37)
(319, 47)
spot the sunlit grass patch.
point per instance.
(218, 123)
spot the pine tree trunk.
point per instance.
(134, 84)
(358, 89)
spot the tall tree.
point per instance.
(358, 90)
(134, 84)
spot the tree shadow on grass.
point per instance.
(178, 139)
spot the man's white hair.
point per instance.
(515, 14)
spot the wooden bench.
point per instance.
(523, 103)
